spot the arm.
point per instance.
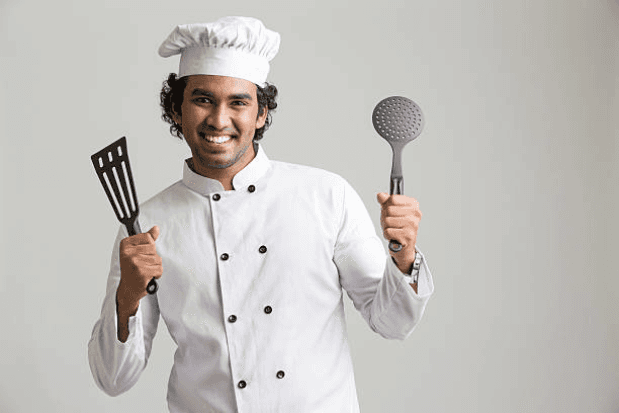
(379, 289)
(120, 344)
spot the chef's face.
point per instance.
(218, 119)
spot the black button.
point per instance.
(251, 188)
(262, 249)
(268, 309)
(224, 256)
(232, 318)
(242, 384)
(280, 374)
(216, 197)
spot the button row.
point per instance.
(225, 256)
(268, 310)
(217, 197)
(242, 384)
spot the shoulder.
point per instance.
(165, 198)
(313, 186)
(304, 176)
(174, 204)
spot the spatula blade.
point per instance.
(114, 171)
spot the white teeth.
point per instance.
(217, 139)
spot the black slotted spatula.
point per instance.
(114, 171)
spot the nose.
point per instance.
(218, 118)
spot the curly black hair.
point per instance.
(171, 99)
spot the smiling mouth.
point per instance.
(216, 138)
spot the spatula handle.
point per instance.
(133, 229)
(397, 187)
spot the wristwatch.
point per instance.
(414, 276)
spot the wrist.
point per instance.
(125, 306)
(405, 261)
(410, 266)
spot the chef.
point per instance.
(251, 255)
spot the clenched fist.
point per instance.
(139, 263)
(399, 218)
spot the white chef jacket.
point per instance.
(251, 292)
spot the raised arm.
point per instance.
(121, 339)
(380, 291)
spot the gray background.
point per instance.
(516, 173)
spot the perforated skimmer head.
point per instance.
(397, 119)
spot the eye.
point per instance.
(239, 103)
(202, 100)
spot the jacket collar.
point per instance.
(247, 176)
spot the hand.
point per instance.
(399, 219)
(139, 263)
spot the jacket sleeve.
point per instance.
(116, 366)
(377, 288)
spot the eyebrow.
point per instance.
(236, 96)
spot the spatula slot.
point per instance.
(112, 192)
(114, 170)
(122, 194)
(126, 173)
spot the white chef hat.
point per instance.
(232, 46)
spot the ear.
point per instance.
(262, 117)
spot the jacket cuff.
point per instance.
(425, 284)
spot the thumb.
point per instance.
(154, 232)
(382, 197)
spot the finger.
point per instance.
(138, 250)
(399, 211)
(151, 272)
(397, 234)
(392, 234)
(403, 200)
(398, 200)
(154, 232)
(382, 197)
(145, 271)
(147, 260)
(401, 222)
(399, 217)
(138, 239)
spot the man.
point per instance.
(251, 255)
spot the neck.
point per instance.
(224, 175)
